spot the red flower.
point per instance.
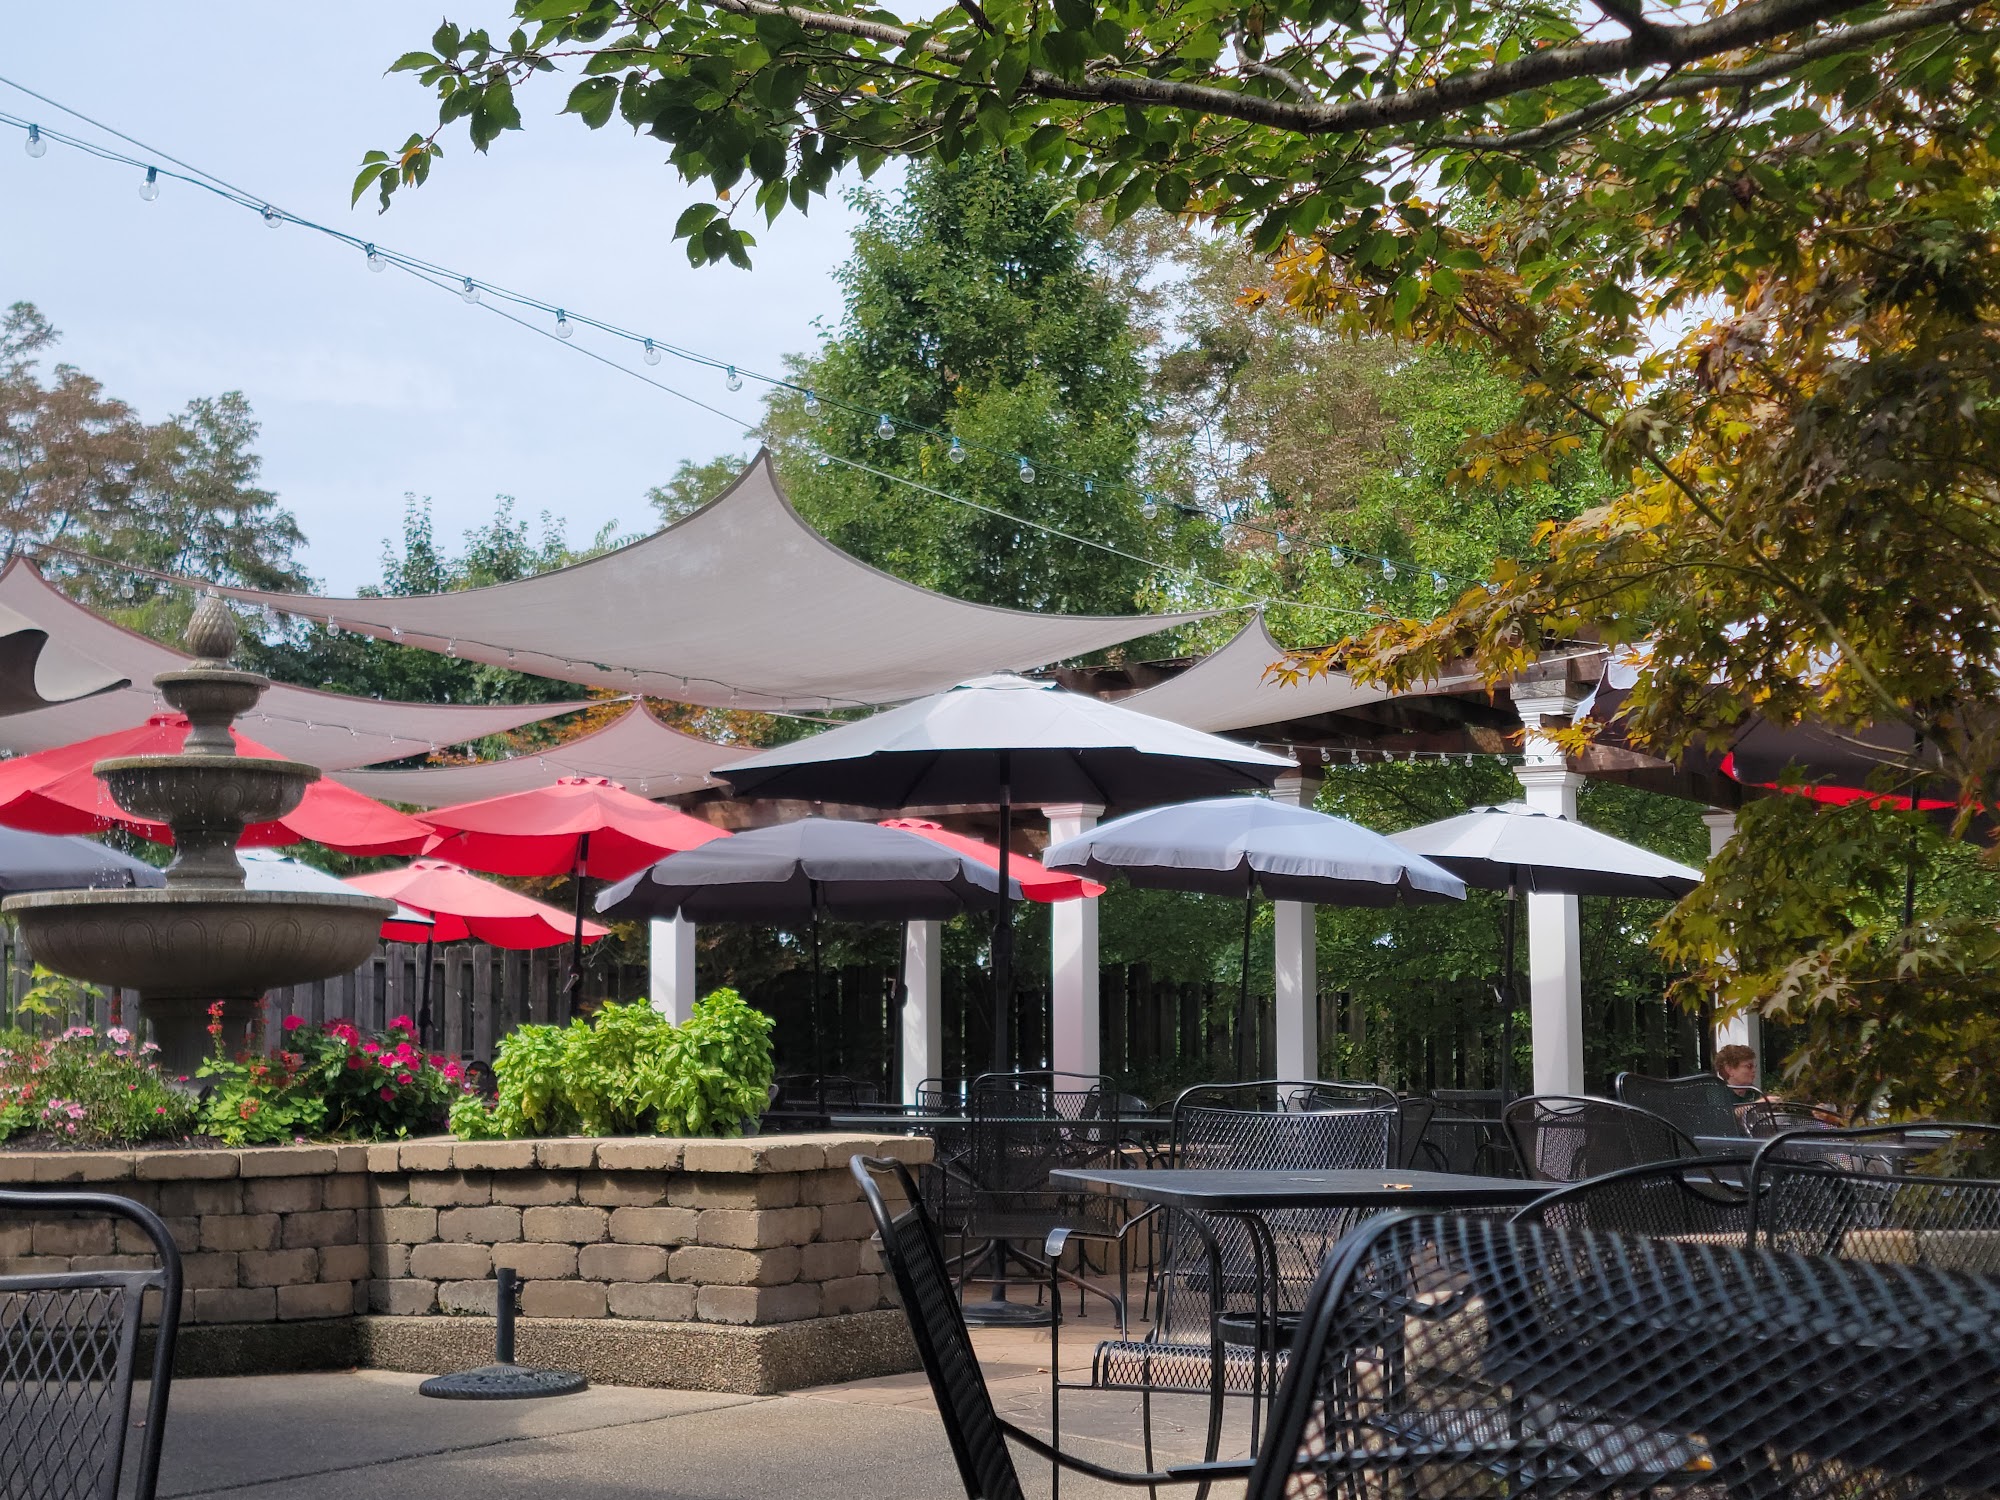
(403, 1023)
(388, 1094)
(293, 1023)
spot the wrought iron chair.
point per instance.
(1768, 1117)
(1567, 1137)
(1464, 1135)
(1566, 1363)
(1695, 1103)
(1702, 1200)
(69, 1351)
(977, 1433)
(1216, 1305)
(1911, 1194)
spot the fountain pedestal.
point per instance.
(204, 937)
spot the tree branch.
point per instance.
(1280, 76)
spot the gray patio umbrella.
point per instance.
(49, 862)
(1005, 739)
(1514, 848)
(1251, 846)
(806, 870)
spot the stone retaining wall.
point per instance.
(733, 1265)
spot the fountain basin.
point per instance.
(184, 948)
(238, 788)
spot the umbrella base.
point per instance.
(503, 1382)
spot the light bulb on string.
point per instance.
(377, 261)
(272, 218)
(812, 401)
(1026, 471)
(36, 145)
(1388, 571)
(825, 460)
(1354, 757)
(956, 452)
(1284, 545)
(468, 293)
(563, 328)
(885, 427)
(1437, 582)
(732, 380)
(1149, 508)
(150, 188)
(1089, 488)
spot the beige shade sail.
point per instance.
(38, 671)
(1232, 689)
(634, 749)
(739, 605)
(330, 730)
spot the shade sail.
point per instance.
(795, 871)
(55, 791)
(586, 821)
(740, 605)
(1231, 688)
(1037, 882)
(635, 748)
(329, 730)
(1232, 846)
(37, 672)
(462, 907)
(45, 862)
(1040, 742)
(1515, 847)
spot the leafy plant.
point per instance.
(630, 1071)
(95, 1088)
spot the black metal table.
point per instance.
(1246, 1194)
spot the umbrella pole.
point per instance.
(424, 1004)
(812, 1010)
(575, 986)
(1003, 933)
(1507, 995)
(1243, 982)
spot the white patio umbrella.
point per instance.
(1005, 739)
(1247, 846)
(1515, 848)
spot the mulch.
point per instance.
(43, 1141)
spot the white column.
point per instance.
(1073, 1030)
(1746, 1028)
(670, 960)
(923, 1005)
(1555, 926)
(1295, 963)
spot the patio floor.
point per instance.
(367, 1435)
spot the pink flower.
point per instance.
(388, 1094)
(293, 1023)
(118, 1034)
(403, 1023)
(159, 1109)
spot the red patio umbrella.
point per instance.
(55, 791)
(462, 906)
(1036, 882)
(581, 826)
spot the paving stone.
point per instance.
(195, 1198)
(537, 1262)
(755, 1229)
(757, 1304)
(831, 1260)
(331, 1226)
(622, 1189)
(238, 1304)
(493, 1156)
(285, 1161)
(709, 1265)
(484, 1224)
(345, 1263)
(328, 1299)
(660, 1301)
(161, 1166)
(469, 1296)
(240, 1232)
(74, 1237)
(451, 1189)
(450, 1262)
(736, 1189)
(640, 1155)
(531, 1189)
(403, 1298)
(277, 1267)
(654, 1226)
(562, 1299)
(849, 1294)
(579, 1226)
(425, 1156)
(568, 1154)
(621, 1262)
(407, 1225)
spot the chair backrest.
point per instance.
(1568, 1137)
(937, 1323)
(1337, 1093)
(1925, 1194)
(69, 1348)
(1768, 1117)
(1699, 1201)
(1042, 1094)
(1413, 1120)
(1450, 1355)
(1697, 1103)
(1463, 1135)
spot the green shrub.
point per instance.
(92, 1087)
(629, 1072)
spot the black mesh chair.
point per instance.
(1464, 1135)
(977, 1433)
(1695, 1104)
(1702, 1200)
(1529, 1361)
(1768, 1117)
(1925, 1194)
(69, 1351)
(1568, 1137)
(1219, 1306)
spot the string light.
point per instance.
(563, 330)
(1335, 556)
(272, 218)
(150, 188)
(1149, 508)
(377, 261)
(1027, 472)
(885, 427)
(468, 293)
(651, 354)
(732, 380)
(1388, 571)
(36, 145)
(1284, 545)
(956, 452)
(812, 400)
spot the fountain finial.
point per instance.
(211, 632)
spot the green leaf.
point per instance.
(594, 99)
(413, 62)
(692, 218)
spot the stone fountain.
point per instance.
(203, 937)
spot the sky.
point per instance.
(373, 386)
